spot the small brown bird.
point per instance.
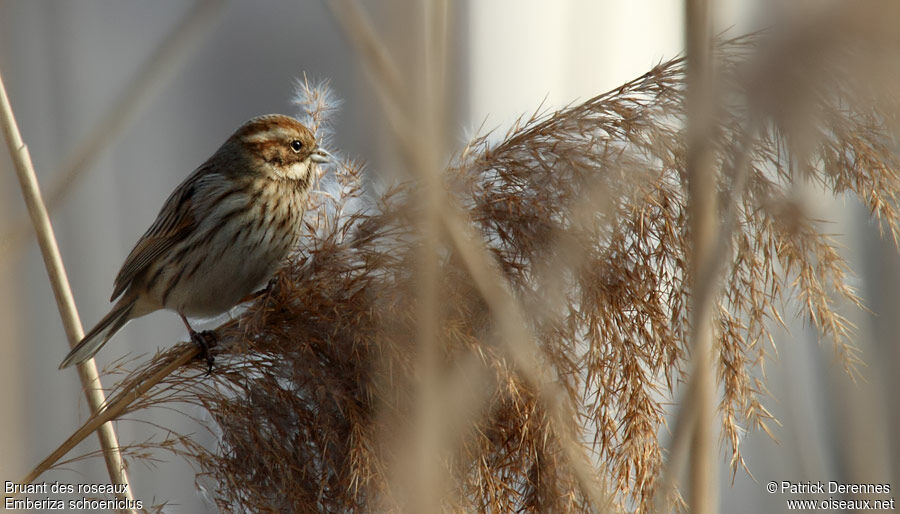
(222, 233)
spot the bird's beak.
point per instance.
(320, 155)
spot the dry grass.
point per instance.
(313, 400)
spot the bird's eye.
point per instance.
(296, 145)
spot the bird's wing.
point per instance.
(175, 221)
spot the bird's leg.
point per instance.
(205, 340)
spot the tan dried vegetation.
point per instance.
(313, 398)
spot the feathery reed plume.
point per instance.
(584, 211)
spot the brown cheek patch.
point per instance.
(274, 156)
(270, 151)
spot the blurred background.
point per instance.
(69, 65)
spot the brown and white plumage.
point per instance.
(221, 234)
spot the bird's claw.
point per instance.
(205, 340)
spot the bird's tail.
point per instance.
(100, 334)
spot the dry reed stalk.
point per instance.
(703, 220)
(420, 485)
(571, 232)
(87, 371)
(118, 404)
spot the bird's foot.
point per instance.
(205, 340)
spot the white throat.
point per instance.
(295, 171)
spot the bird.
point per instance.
(222, 233)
